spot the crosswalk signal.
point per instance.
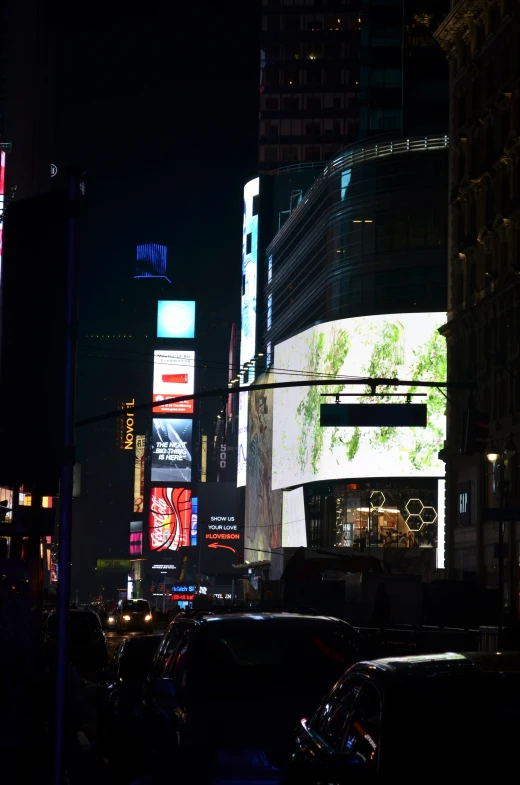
(153, 588)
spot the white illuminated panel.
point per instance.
(248, 314)
(441, 524)
(405, 346)
(294, 531)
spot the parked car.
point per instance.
(87, 643)
(234, 686)
(434, 715)
(133, 616)
(119, 687)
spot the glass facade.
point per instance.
(376, 213)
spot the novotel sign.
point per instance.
(126, 438)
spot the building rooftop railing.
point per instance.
(358, 155)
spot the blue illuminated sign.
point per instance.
(176, 319)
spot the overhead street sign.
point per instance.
(373, 415)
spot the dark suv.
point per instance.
(236, 685)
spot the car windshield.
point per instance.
(78, 623)
(136, 606)
(282, 657)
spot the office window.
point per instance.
(290, 152)
(273, 23)
(386, 77)
(269, 311)
(314, 24)
(313, 76)
(269, 269)
(290, 103)
(268, 355)
(272, 129)
(291, 77)
(271, 103)
(292, 51)
(313, 51)
(313, 153)
(292, 23)
(312, 128)
(333, 76)
(314, 103)
(385, 119)
(285, 129)
(271, 77)
(334, 23)
(271, 153)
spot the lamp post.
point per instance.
(494, 454)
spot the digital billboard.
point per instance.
(173, 374)
(140, 444)
(171, 449)
(169, 518)
(248, 310)
(398, 346)
(176, 319)
(221, 536)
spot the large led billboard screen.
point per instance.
(248, 309)
(169, 518)
(173, 374)
(171, 449)
(176, 319)
(398, 346)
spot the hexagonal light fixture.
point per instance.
(377, 499)
(414, 523)
(414, 506)
(429, 514)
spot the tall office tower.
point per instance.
(309, 80)
(403, 86)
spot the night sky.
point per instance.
(161, 109)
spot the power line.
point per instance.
(225, 391)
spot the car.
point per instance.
(235, 685)
(133, 616)
(434, 715)
(87, 642)
(118, 689)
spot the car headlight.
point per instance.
(148, 618)
(126, 618)
(110, 619)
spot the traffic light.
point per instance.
(152, 588)
(476, 435)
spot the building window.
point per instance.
(291, 103)
(333, 23)
(269, 311)
(291, 23)
(268, 355)
(291, 77)
(312, 153)
(314, 103)
(249, 239)
(271, 153)
(271, 103)
(270, 269)
(314, 76)
(313, 51)
(256, 205)
(313, 129)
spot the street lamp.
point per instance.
(494, 454)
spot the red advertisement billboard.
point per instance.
(173, 374)
(169, 518)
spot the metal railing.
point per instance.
(358, 155)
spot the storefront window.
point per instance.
(389, 517)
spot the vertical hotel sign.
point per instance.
(139, 474)
(248, 312)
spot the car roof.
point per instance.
(423, 666)
(252, 616)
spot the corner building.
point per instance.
(353, 284)
(481, 42)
